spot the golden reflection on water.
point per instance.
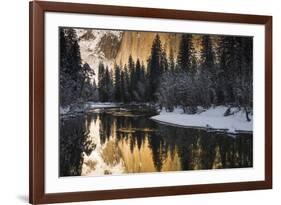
(140, 159)
(116, 157)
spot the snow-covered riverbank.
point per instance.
(78, 108)
(212, 118)
(90, 106)
(93, 105)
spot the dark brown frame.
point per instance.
(37, 95)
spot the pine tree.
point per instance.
(126, 85)
(247, 72)
(137, 83)
(117, 83)
(171, 61)
(86, 87)
(142, 86)
(164, 62)
(63, 50)
(71, 78)
(185, 53)
(95, 92)
(208, 72)
(122, 86)
(154, 67)
(111, 93)
(243, 79)
(101, 82)
(228, 56)
(207, 53)
(132, 85)
(138, 70)
(108, 85)
(73, 57)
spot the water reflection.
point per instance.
(116, 141)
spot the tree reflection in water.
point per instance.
(116, 141)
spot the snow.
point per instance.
(64, 110)
(212, 118)
(71, 109)
(93, 105)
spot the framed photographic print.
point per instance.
(139, 102)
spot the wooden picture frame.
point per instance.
(37, 10)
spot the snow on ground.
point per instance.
(88, 105)
(64, 110)
(93, 105)
(212, 118)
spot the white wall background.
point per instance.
(14, 100)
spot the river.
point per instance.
(125, 140)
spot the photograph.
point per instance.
(142, 101)
(133, 102)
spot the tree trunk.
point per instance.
(247, 114)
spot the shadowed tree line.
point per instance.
(75, 78)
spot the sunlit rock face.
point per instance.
(138, 44)
(99, 46)
(111, 46)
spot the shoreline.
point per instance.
(212, 119)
